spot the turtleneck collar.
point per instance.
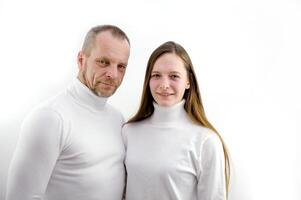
(86, 97)
(169, 115)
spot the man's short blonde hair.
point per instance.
(92, 33)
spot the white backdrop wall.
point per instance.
(246, 55)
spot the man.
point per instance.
(70, 148)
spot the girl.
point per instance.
(172, 150)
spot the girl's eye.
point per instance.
(155, 75)
(174, 76)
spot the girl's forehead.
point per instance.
(169, 62)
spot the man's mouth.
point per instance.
(108, 84)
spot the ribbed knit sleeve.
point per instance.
(211, 178)
(36, 154)
(124, 135)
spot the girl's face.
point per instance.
(169, 80)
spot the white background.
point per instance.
(247, 55)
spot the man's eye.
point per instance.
(102, 62)
(121, 66)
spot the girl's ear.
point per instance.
(187, 85)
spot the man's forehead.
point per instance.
(108, 37)
(112, 53)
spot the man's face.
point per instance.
(103, 70)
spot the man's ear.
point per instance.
(80, 60)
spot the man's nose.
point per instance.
(112, 72)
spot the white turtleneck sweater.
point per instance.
(170, 158)
(70, 148)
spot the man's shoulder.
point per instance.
(42, 116)
(115, 111)
(112, 108)
(138, 125)
(51, 105)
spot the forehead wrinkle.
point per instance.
(110, 54)
(112, 48)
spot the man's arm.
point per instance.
(35, 156)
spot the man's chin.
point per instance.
(103, 90)
(104, 93)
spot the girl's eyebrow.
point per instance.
(175, 72)
(172, 72)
